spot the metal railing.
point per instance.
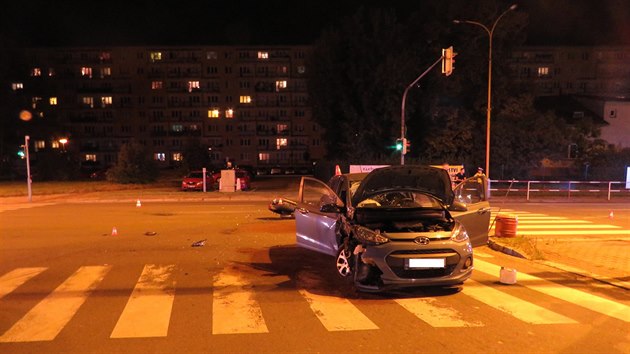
(566, 189)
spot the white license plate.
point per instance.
(426, 263)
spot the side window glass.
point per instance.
(471, 191)
(316, 194)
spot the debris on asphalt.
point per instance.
(199, 243)
(150, 233)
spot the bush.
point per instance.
(134, 165)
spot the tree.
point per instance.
(521, 137)
(134, 165)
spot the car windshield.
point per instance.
(400, 199)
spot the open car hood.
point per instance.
(432, 180)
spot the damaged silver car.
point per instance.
(399, 226)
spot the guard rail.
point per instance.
(560, 188)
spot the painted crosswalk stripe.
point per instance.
(521, 309)
(428, 310)
(50, 315)
(13, 279)
(578, 297)
(552, 226)
(148, 310)
(575, 232)
(337, 314)
(546, 222)
(234, 307)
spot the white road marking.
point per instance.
(577, 297)
(553, 226)
(148, 310)
(337, 314)
(49, 316)
(521, 309)
(17, 277)
(428, 310)
(234, 308)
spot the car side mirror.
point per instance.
(330, 208)
(458, 206)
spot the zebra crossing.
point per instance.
(537, 224)
(236, 308)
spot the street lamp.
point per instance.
(490, 32)
(63, 142)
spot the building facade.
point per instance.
(596, 77)
(248, 105)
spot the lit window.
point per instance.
(55, 144)
(282, 84)
(245, 99)
(90, 157)
(159, 156)
(17, 86)
(229, 113)
(301, 69)
(213, 113)
(263, 156)
(88, 101)
(157, 85)
(543, 71)
(177, 156)
(178, 128)
(156, 56)
(281, 142)
(106, 72)
(86, 71)
(52, 101)
(106, 101)
(193, 85)
(263, 55)
(282, 128)
(40, 144)
(36, 72)
(211, 55)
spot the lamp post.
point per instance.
(490, 32)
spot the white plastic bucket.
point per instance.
(507, 276)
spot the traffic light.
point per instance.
(21, 153)
(406, 146)
(448, 59)
(399, 144)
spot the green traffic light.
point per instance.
(399, 145)
(21, 154)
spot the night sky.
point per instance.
(214, 22)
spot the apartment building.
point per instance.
(596, 78)
(248, 105)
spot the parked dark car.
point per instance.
(194, 181)
(397, 226)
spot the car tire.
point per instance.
(344, 262)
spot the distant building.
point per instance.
(249, 105)
(595, 77)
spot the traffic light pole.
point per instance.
(29, 181)
(402, 109)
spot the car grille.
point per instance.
(396, 262)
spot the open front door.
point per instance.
(474, 193)
(315, 218)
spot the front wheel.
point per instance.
(344, 262)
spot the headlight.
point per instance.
(459, 233)
(371, 237)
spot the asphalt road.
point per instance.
(67, 284)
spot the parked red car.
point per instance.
(194, 181)
(241, 175)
